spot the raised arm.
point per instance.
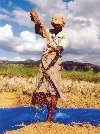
(39, 27)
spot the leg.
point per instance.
(52, 108)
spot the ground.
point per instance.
(17, 91)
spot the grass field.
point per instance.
(14, 70)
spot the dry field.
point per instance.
(77, 94)
(17, 91)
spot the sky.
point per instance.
(18, 40)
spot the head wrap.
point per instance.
(58, 19)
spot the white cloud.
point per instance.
(83, 58)
(48, 8)
(84, 28)
(85, 8)
(35, 58)
(3, 58)
(6, 32)
(18, 58)
(71, 57)
(4, 10)
(4, 17)
(21, 17)
(26, 42)
(28, 36)
(18, 15)
(84, 38)
(39, 3)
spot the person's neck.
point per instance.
(57, 31)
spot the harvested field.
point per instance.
(76, 94)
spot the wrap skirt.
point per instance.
(49, 78)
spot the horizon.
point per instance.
(40, 59)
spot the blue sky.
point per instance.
(19, 42)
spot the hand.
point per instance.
(52, 49)
(35, 17)
(59, 48)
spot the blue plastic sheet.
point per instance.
(11, 118)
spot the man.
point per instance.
(49, 81)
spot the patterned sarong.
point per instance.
(49, 79)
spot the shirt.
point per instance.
(61, 39)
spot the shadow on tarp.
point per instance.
(11, 118)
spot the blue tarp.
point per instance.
(10, 118)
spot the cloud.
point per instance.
(39, 3)
(3, 58)
(6, 32)
(83, 58)
(26, 42)
(18, 16)
(35, 58)
(28, 36)
(86, 8)
(4, 14)
(71, 57)
(84, 38)
(48, 8)
(83, 27)
(3, 10)
(18, 58)
(4, 17)
(92, 58)
(21, 58)
(21, 17)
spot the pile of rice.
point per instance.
(9, 100)
(53, 128)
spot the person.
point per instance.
(49, 80)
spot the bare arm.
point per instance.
(38, 24)
(40, 28)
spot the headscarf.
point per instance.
(58, 19)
